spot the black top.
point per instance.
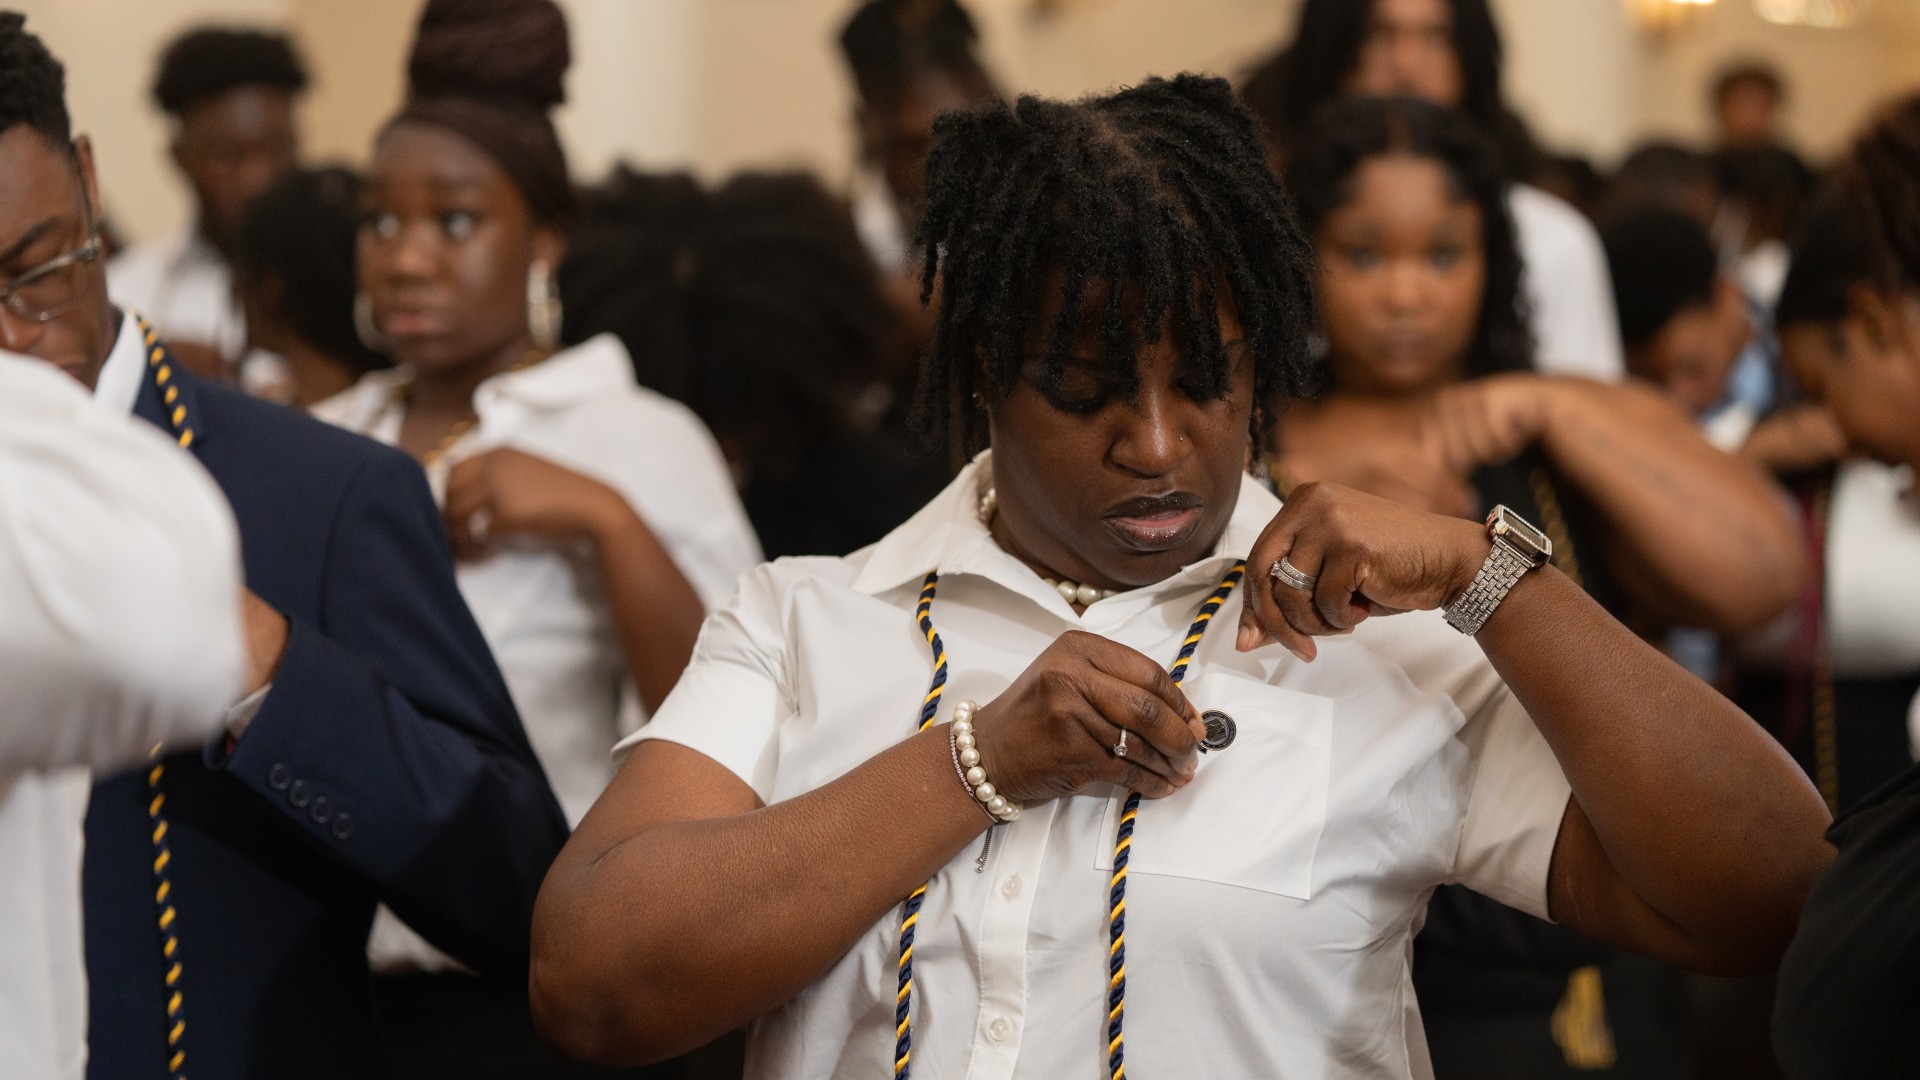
(1848, 1004)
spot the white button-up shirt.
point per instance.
(1271, 904)
(184, 287)
(119, 629)
(1569, 293)
(541, 607)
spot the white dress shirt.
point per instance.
(185, 288)
(1271, 904)
(119, 630)
(1565, 280)
(541, 607)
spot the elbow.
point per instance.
(1753, 945)
(1749, 593)
(588, 1023)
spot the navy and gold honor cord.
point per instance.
(160, 365)
(1123, 842)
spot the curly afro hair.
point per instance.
(33, 85)
(202, 64)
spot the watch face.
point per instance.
(1520, 532)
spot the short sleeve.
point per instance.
(731, 699)
(1518, 798)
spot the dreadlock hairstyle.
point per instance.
(33, 85)
(1326, 48)
(755, 304)
(1880, 181)
(1139, 210)
(1829, 259)
(1349, 133)
(202, 64)
(888, 43)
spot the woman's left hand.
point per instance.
(503, 492)
(1367, 555)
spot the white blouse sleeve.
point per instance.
(1518, 798)
(733, 696)
(120, 583)
(1567, 285)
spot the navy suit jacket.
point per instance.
(386, 764)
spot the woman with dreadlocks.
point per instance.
(936, 808)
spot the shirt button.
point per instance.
(299, 794)
(279, 777)
(1012, 887)
(342, 826)
(321, 810)
(999, 1030)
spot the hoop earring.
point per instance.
(543, 306)
(363, 324)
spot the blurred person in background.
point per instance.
(1765, 185)
(1449, 52)
(120, 584)
(1849, 986)
(231, 97)
(1429, 401)
(756, 304)
(594, 522)
(294, 273)
(376, 755)
(1688, 327)
(1667, 176)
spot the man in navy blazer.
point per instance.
(229, 891)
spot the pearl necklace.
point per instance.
(1073, 592)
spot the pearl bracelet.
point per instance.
(966, 761)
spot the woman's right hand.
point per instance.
(1053, 732)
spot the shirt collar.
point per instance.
(947, 535)
(597, 367)
(118, 386)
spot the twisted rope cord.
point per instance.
(160, 365)
(1123, 846)
(1116, 918)
(910, 908)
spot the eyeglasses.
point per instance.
(51, 289)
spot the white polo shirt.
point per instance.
(1272, 903)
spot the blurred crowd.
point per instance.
(626, 392)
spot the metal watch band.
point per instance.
(1505, 565)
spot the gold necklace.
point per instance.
(403, 400)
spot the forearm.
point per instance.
(656, 612)
(1709, 528)
(686, 930)
(1705, 818)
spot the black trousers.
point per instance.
(452, 1025)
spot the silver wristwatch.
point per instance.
(1517, 548)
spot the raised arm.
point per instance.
(1691, 836)
(682, 908)
(1697, 537)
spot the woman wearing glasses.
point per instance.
(939, 808)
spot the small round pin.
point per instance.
(1220, 730)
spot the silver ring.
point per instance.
(479, 524)
(1290, 575)
(1120, 748)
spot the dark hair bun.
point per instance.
(507, 52)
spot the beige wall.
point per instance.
(721, 84)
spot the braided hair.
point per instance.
(1144, 209)
(33, 85)
(1880, 181)
(1349, 133)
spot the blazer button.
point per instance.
(321, 810)
(279, 777)
(342, 826)
(299, 794)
